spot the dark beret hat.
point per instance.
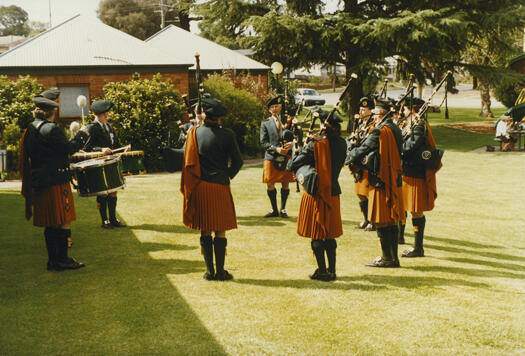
(414, 102)
(44, 103)
(323, 115)
(365, 102)
(51, 94)
(277, 100)
(102, 106)
(383, 104)
(213, 108)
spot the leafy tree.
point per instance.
(141, 18)
(36, 27)
(427, 37)
(145, 113)
(224, 21)
(13, 21)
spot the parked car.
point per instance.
(310, 96)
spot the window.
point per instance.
(68, 101)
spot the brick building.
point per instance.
(82, 54)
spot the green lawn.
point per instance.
(142, 291)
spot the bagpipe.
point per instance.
(307, 174)
(426, 155)
(174, 156)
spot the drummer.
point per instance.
(104, 139)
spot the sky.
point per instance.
(61, 10)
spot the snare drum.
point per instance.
(131, 162)
(82, 156)
(98, 176)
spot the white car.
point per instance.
(310, 96)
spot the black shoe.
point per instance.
(370, 227)
(106, 225)
(208, 276)
(361, 225)
(223, 276)
(333, 276)
(321, 276)
(380, 262)
(284, 214)
(272, 214)
(413, 253)
(401, 241)
(70, 263)
(117, 223)
(53, 266)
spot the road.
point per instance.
(465, 98)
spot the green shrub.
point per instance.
(16, 102)
(145, 113)
(245, 113)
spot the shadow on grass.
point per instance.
(461, 242)
(179, 229)
(510, 266)
(364, 282)
(498, 256)
(121, 303)
(262, 221)
(468, 271)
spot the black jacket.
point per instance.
(356, 154)
(270, 138)
(217, 146)
(48, 149)
(99, 138)
(338, 155)
(413, 167)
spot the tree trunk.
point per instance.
(474, 83)
(485, 100)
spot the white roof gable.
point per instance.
(176, 41)
(86, 41)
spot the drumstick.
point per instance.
(123, 148)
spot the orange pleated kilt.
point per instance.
(54, 206)
(361, 187)
(378, 210)
(416, 195)
(307, 225)
(215, 210)
(273, 175)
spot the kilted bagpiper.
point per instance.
(205, 184)
(320, 213)
(419, 183)
(385, 201)
(276, 153)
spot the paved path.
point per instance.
(466, 98)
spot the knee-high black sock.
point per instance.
(272, 194)
(419, 231)
(207, 253)
(364, 209)
(102, 204)
(49, 234)
(112, 208)
(400, 233)
(61, 242)
(318, 246)
(394, 233)
(284, 197)
(383, 234)
(219, 245)
(331, 245)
